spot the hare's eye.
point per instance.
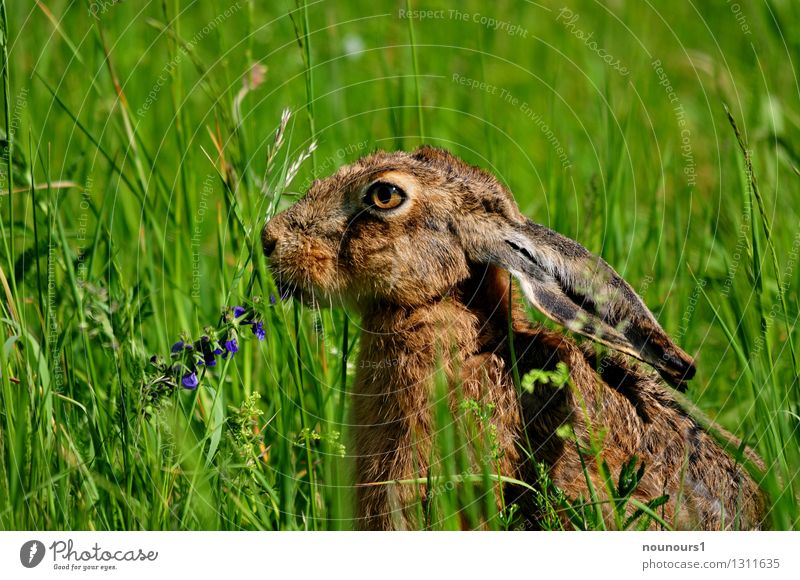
(385, 195)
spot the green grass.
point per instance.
(142, 167)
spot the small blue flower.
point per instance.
(258, 330)
(231, 346)
(209, 358)
(272, 299)
(218, 351)
(190, 381)
(238, 311)
(178, 346)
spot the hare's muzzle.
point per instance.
(302, 259)
(268, 242)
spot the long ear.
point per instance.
(584, 294)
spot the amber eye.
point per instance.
(385, 195)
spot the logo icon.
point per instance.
(31, 553)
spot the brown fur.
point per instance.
(429, 283)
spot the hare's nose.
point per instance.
(269, 247)
(268, 241)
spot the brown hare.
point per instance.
(420, 245)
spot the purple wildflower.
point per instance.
(272, 299)
(190, 381)
(231, 346)
(178, 346)
(208, 359)
(238, 311)
(258, 330)
(208, 351)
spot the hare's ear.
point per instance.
(584, 294)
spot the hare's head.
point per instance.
(404, 229)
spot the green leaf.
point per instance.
(217, 422)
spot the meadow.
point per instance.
(145, 144)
